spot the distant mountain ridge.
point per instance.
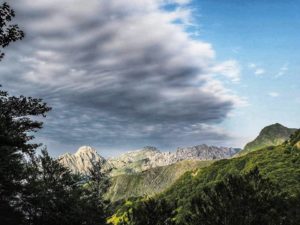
(271, 135)
(148, 171)
(142, 159)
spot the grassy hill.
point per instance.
(150, 182)
(280, 164)
(272, 135)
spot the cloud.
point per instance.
(259, 71)
(252, 65)
(119, 72)
(229, 69)
(256, 69)
(283, 70)
(274, 94)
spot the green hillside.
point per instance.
(280, 164)
(272, 135)
(261, 187)
(150, 182)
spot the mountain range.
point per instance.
(142, 159)
(149, 171)
(146, 171)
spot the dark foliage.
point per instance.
(95, 206)
(8, 32)
(294, 138)
(237, 199)
(50, 194)
(248, 199)
(13, 126)
(53, 195)
(15, 123)
(150, 212)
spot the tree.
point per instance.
(52, 194)
(15, 123)
(248, 199)
(93, 201)
(151, 211)
(8, 32)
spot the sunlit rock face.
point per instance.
(82, 160)
(142, 159)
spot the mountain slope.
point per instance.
(272, 135)
(150, 182)
(281, 164)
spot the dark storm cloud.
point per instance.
(118, 71)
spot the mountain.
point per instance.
(151, 181)
(280, 164)
(272, 135)
(82, 160)
(142, 159)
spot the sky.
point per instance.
(123, 74)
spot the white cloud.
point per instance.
(229, 69)
(257, 70)
(283, 70)
(252, 65)
(274, 94)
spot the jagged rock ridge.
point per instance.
(205, 152)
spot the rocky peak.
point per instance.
(86, 151)
(82, 160)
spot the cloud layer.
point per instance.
(119, 72)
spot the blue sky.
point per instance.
(264, 33)
(123, 74)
